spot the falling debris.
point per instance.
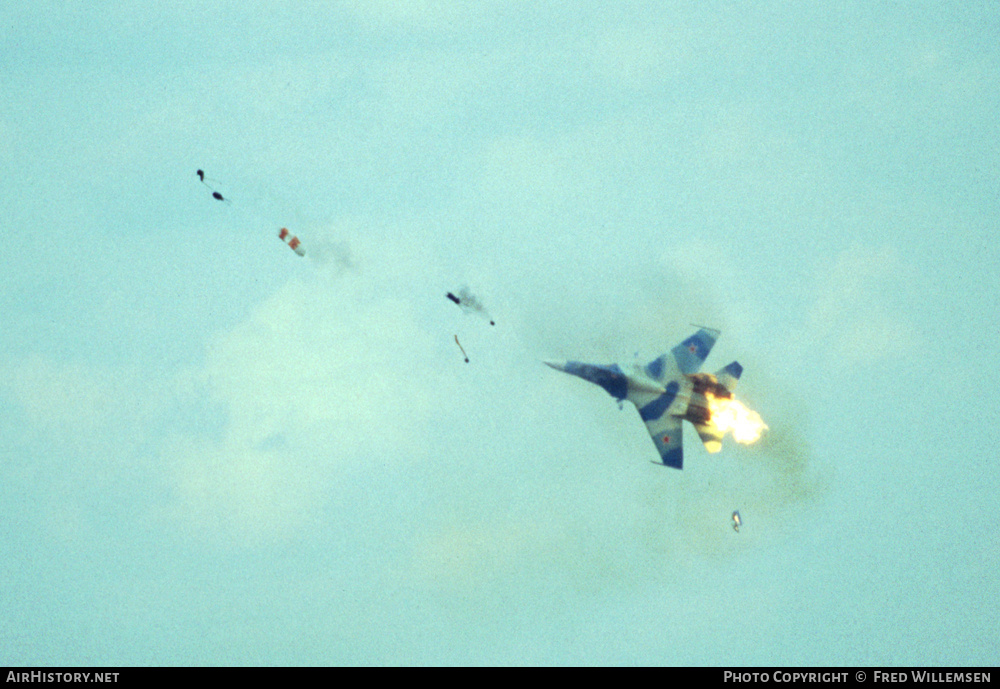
(215, 194)
(737, 521)
(468, 302)
(462, 348)
(292, 241)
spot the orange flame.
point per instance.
(730, 415)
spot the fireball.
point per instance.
(732, 416)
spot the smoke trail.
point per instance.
(469, 303)
(333, 254)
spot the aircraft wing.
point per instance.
(666, 434)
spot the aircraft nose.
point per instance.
(557, 365)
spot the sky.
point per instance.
(216, 452)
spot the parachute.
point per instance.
(292, 241)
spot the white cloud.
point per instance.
(451, 15)
(641, 55)
(858, 315)
(94, 407)
(326, 373)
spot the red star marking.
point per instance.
(666, 439)
(692, 349)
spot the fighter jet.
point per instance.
(737, 521)
(667, 391)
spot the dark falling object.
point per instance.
(454, 298)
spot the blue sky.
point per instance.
(215, 452)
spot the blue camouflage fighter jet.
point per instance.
(667, 391)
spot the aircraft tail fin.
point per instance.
(709, 433)
(692, 352)
(729, 376)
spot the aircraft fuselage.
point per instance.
(667, 391)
